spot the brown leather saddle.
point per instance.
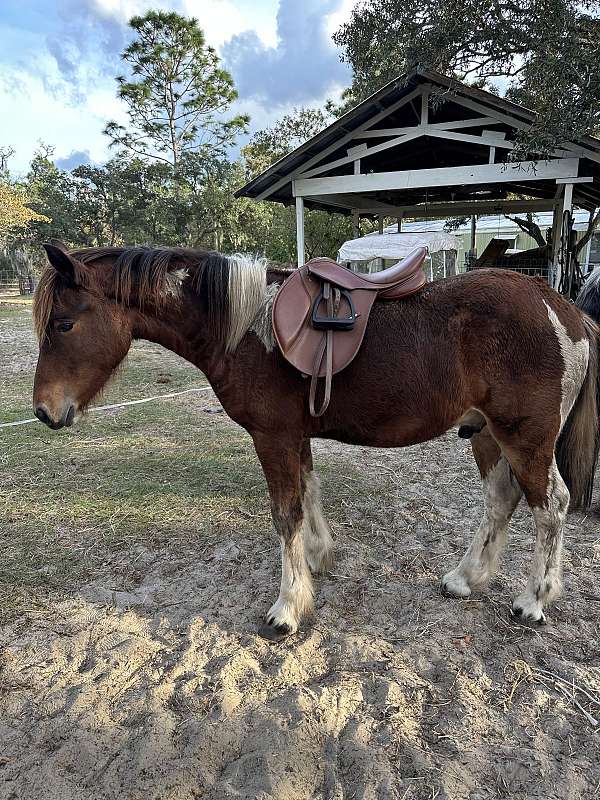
(320, 314)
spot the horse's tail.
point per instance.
(588, 299)
(579, 443)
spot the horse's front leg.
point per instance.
(317, 536)
(281, 463)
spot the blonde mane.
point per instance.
(232, 290)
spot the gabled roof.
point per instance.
(275, 182)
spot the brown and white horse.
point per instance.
(493, 345)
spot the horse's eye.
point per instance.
(63, 327)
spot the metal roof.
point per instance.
(417, 154)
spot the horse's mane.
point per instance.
(230, 289)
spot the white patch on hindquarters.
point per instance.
(501, 494)
(575, 357)
(317, 536)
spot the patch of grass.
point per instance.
(165, 473)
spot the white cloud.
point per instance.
(222, 19)
(32, 113)
(339, 16)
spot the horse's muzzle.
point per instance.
(66, 420)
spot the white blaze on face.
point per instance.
(575, 357)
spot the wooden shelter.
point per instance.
(428, 146)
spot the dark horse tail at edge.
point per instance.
(577, 451)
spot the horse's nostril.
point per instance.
(41, 414)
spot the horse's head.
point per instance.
(83, 337)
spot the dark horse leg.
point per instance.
(281, 460)
(318, 544)
(501, 494)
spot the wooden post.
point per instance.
(380, 223)
(473, 235)
(425, 106)
(556, 231)
(400, 223)
(301, 254)
(567, 205)
(356, 223)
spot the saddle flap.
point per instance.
(294, 333)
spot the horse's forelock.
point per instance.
(43, 301)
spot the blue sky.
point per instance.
(59, 58)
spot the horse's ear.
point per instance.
(62, 263)
(58, 243)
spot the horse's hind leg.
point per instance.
(501, 494)
(548, 498)
(318, 543)
(281, 463)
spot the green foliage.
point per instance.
(324, 233)
(178, 94)
(271, 144)
(547, 50)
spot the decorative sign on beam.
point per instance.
(521, 171)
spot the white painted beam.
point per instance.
(491, 112)
(521, 171)
(434, 210)
(439, 126)
(425, 106)
(488, 140)
(340, 143)
(369, 151)
(584, 179)
(301, 252)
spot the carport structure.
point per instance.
(428, 146)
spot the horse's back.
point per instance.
(460, 342)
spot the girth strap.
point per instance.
(324, 351)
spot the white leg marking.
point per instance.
(295, 595)
(501, 495)
(575, 358)
(544, 583)
(317, 536)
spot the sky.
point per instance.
(59, 59)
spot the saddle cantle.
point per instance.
(320, 314)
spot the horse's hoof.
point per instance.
(528, 613)
(274, 633)
(454, 585)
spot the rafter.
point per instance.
(341, 142)
(442, 126)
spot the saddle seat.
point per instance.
(322, 344)
(401, 280)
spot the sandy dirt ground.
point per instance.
(157, 687)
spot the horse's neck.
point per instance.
(180, 330)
